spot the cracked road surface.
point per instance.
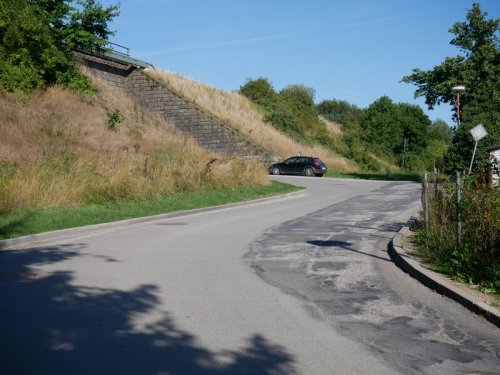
(301, 285)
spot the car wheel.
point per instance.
(309, 172)
(276, 171)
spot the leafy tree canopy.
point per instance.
(259, 90)
(299, 99)
(292, 110)
(386, 124)
(381, 125)
(478, 69)
(37, 37)
(340, 111)
(440, 130)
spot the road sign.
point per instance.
(478, 132)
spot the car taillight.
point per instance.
(315, 163)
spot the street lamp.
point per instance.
(457, 90)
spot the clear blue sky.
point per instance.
(354, 50)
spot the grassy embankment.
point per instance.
(241, 114)
(61, 152)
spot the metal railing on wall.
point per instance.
(119, 49)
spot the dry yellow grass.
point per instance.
(239, 113)
(56, 149)
(334, 128)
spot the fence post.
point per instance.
(435, 182)
(459, 217)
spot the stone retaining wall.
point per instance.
(151, 95)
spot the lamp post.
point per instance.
(457, 90)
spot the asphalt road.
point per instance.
(300, 285)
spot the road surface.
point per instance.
(300, 285)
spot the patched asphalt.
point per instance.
(335, 260)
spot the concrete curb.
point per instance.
(437, 282)
(39, 239)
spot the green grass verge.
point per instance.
(375, 176)
(30, 221)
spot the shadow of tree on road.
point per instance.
(50, 326)
(343, 245)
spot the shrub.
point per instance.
(477, 260)
(113, 119)
(340, 111)
(259, 91)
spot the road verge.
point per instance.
(435, 281)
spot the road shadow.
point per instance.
(343, 245)
(48, 325)
(7, 229)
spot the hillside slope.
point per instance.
(238, 112)
(59, 148)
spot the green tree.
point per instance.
(415, 124)
(292, 110)
(434, 153)
(82, 26)
(28, 54)
(299, 101)
(478, 69)
(299, 98)
(260, 91)
(382, 127)
(440, 130)
(88, 26)
(385, 126)
(37, 37)
(340, 111)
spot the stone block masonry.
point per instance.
(186, 117)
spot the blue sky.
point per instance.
(354, 50)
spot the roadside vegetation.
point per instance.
(469, 252)
(475, 257)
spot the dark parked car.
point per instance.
(303, 165)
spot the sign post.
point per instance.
(478, 132)
(404, 151)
